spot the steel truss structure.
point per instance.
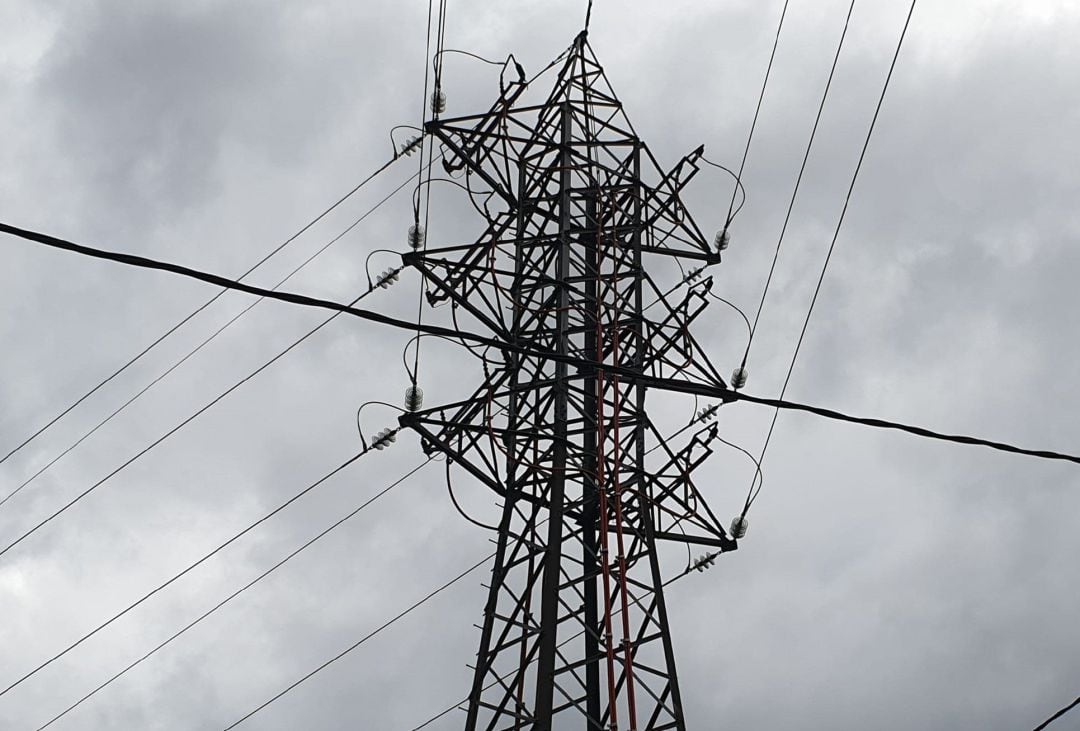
(575, 632)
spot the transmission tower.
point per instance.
(568, 274)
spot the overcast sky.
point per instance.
(886, 582)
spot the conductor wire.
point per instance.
(195, 312)
(798, 182)
(832, 244)
(393, 620)
(184, 572)
(131, 460)
(430, 149)
(753, 125)
(207, 341)
(319, 536)
(1058, 715)
(711, 390)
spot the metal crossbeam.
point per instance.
(575, 631)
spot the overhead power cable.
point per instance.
(701, 389)
(204, 343)
(364, 639)
(435, 104)
(753, 124)
(197, 310)
(191, 567)
(1058, 715)
(910, 429)
(236, 593)
(798, 182)
(832, 244)
(181, 425)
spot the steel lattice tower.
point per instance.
(575, 632)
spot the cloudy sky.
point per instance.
(886, 582)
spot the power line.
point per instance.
(109, 378)
(836, 234)
(190, 568)
(435, 104)
(220, 281)
(753, 124)
(204, 343)
(197, 310)
(1058, 715)
(910, 429)
(364, 639)
(236, 593)
(178, 427)
(700, 389)
(798, 182)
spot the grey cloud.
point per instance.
(885, 582)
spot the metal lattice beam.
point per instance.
(575, 631)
